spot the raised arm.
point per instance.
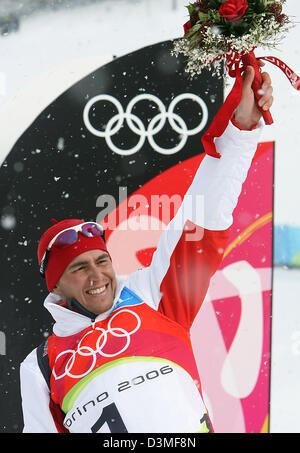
(177, 280)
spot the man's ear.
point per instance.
(57, 290)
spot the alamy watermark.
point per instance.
(139, 212)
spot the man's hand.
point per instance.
(247, 113)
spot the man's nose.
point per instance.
(94, 273)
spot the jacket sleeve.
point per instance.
(191, 248)
(35, 398)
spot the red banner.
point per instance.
(233, 351)
(231, 333)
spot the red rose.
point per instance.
(233, 10)
(187, 26)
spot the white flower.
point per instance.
(214, 45)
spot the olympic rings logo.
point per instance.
(137, 126)
(88, 351)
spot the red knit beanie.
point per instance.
(60, 258)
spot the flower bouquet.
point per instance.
(224, 34)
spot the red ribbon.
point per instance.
(293, 78)
(233, 63)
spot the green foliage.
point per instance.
(215, 4)
(191, 9)
(203, 17)
(256, 6)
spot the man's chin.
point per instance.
(98, 304)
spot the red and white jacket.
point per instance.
(131, 369)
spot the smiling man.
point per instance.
(77, 266)
(90, 280)
(120, 357)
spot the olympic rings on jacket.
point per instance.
(88, 351)
(136, 125)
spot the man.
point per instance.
(120, 357)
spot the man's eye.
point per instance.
(79, 268)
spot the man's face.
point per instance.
(92, 266)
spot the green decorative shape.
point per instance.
(296, 260)
(74, 392)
